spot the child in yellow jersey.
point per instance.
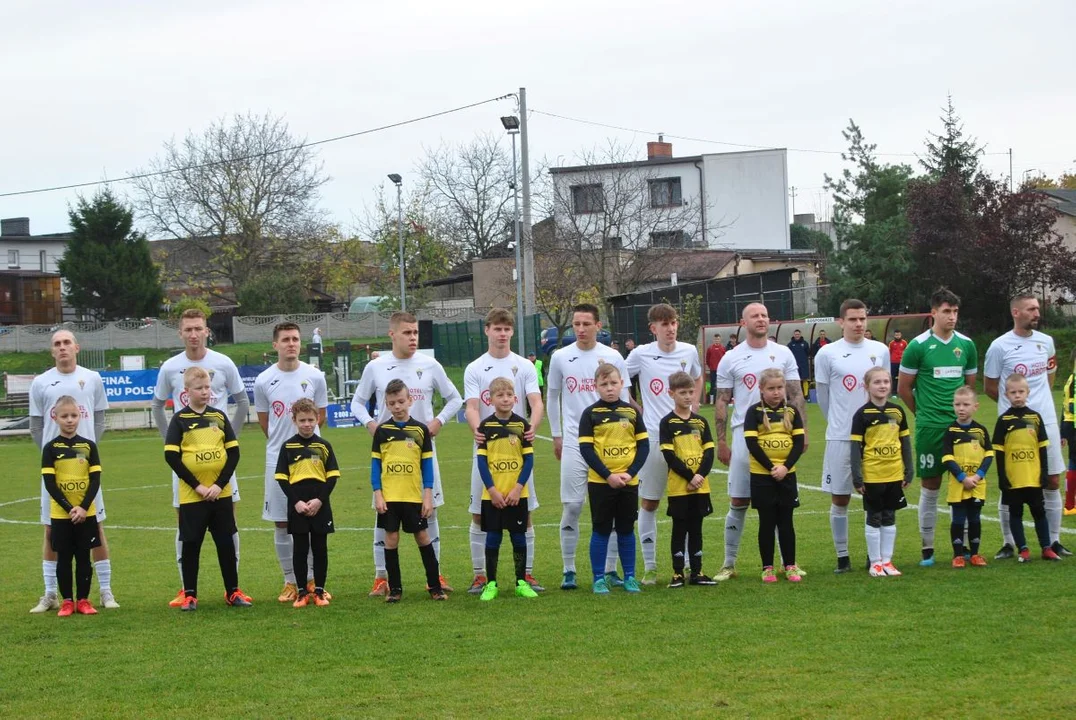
(688, 449)
(614, 445)
(307, 472)
(773, 432)
(881, 468)
(202, 451)
(401, 474)
(966, 455)
(505, 460)
(1020, 450)
(1068, 435)
(71, 470)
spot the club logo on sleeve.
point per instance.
(849, 382)
(571, 383)
(657, 386)
(749, 381)
(278, 408)
(1020, 369)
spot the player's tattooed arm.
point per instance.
(721, 421)
(794, 393)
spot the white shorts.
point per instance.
(573, 475)
(475, 506)
(438, 495)
(1055, 461)
(175, 490)
(837, 468)
(46, 509)
(739, 467)
(654, 475)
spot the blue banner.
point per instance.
(339, 416)
(129, 385)
(250, 373)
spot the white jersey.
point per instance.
(653, 366)
(841, 365)
(421, 373)
(480, 373)
(276, 390)
(82, 384)
(571, 373)
(224, 379)
(1034, 358)
(739, 370)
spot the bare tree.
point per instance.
(244, 191)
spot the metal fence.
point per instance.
(337, 326)
(119, 334)
(458, 343)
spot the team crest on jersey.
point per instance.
(873, 358)
(410, 443)
(957, 352)
(772, 357)
(683, 364)
(418, 374)
(303, 385)
(81, 384)
(512, 440)
(515, 369)
(624, 423)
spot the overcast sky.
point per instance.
(92, 90)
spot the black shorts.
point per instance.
(613, 508)
(689, 507)
(512, 518)
(883, 496)
(320, 524)
(1030, 496)
(402, 515)
(767, 492)
(66, 536)
(218, 517)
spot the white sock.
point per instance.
(648, 538)
(379, 553)
(179, 558)
(928, 516)
(530, 550)
(888, 540)
(235, 542)
(103, 568)
(874, 544)
(838, 526)
(612, 554)
(48, 572)
(309, 565)
(734, 522)
(284, 549)
(434, 529)
(1006, 531)
(478, 549)
(1051, 500)
(569, 535)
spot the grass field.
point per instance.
(997, 641)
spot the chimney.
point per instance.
(15, 226)
(659, 149)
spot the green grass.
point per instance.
(936, 642)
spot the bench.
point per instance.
(15, 402)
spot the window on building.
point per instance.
(665, 192)
(611, 243)
(13, 258)
(669, 239)
(43, 258)
(587, 199)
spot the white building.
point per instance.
(735, 201)
(23, 251)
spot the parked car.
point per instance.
(549, 339)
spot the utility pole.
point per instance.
(1010, 170)
(793, 203)
(527, 239)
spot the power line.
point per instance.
(716, 142)
(215, 163)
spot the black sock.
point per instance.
(226, 559)
(63, 574)
(300, 551)
(429, 561)
(492, 556)
(519, 554)
(676, 545)
(192, 552)
(694, 544)
(320, 545)
(975, 531)
(392, 568)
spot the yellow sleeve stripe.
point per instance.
(667, 446)
(641, 436)
(48, 471)
(750, 433)
(332, 474)
(948, 458)
(797, 431)
(1044, 443)
(482, 451)
(528, 451)
(94, 468)
(1000, 448)
(586, 439)
(989, 452)
(904, 433)
(281, 476)
(171, 448)
(427, 455)
(856, 438)
(707, 446)
(375, 455)
(231, 444)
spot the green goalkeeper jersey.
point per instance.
(940, 368)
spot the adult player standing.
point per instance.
(423, 375)
(1026, 351)
(737, 382)
(499, 362)
(570, 390)
(934, 365)
(67, 377)
(653, 363)
(275, 390)
(224, 382)
(839, 368)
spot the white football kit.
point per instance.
(476, 379)
(275, 391)
(653, 368)
(86, 387)
(840, 366)
(224, 381)
(739, 371)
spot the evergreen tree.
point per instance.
(950, 153)
(107, 265)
